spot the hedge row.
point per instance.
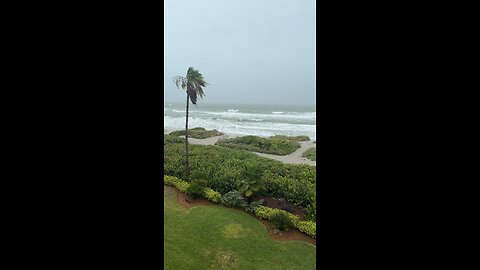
(268, 213)
(263, 212)
(181, 185)
(225, 170)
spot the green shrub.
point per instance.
(196, 188)
(261, 145)
(198, 133)
(253, 206)
(268, 213)
(233, 199)
(281, 221)
(212, 195)
(310, 153)
(307, 227)
(176, 182)
(311, 213)
(170, 139)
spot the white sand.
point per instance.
(293, 158)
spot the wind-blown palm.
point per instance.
(193, 84)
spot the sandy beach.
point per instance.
(293, 158)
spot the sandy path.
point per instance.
(293, 158)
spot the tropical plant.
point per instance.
(252, 180)
(193, 84)
(196, 188)
(281, 221)
(233, 199)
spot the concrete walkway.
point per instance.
(293, 158)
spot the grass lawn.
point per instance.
(214, 237)
(198, 133)
(311, 153)
(275, 146)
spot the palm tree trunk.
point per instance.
(187, 166)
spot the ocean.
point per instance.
(260, 120)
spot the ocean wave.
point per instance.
(258, 128)
(179, 111)
(277, 112)
(298, 116)
(232, 110)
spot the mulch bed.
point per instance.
(188, 202)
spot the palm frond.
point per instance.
(193, 83)
(180, 82)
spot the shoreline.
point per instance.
(293, 158)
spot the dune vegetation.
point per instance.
(274, 145)
(310, 153)
(198, 133)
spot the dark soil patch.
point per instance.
(188, 202)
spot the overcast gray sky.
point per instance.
(249, 51)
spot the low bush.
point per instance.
(170, 139)
(268, 213)
(253, 206)
(196, 188)
(281, 221)
(212, 195)
(261, 145)
(176, 182)
(198, 133)
(307, 227)
(233, 199)
(310, 153)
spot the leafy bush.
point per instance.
(261, 145)
(233, 199)
(198, 133)
(281, 221)
(169, 139)
(307, 227)
(310, 153)
(196, 188)
(212, 195)
(176, 182)
(311, 213)
(268, 213)
(253, 206)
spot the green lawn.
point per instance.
(214, 237)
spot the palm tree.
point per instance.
(193, 83)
